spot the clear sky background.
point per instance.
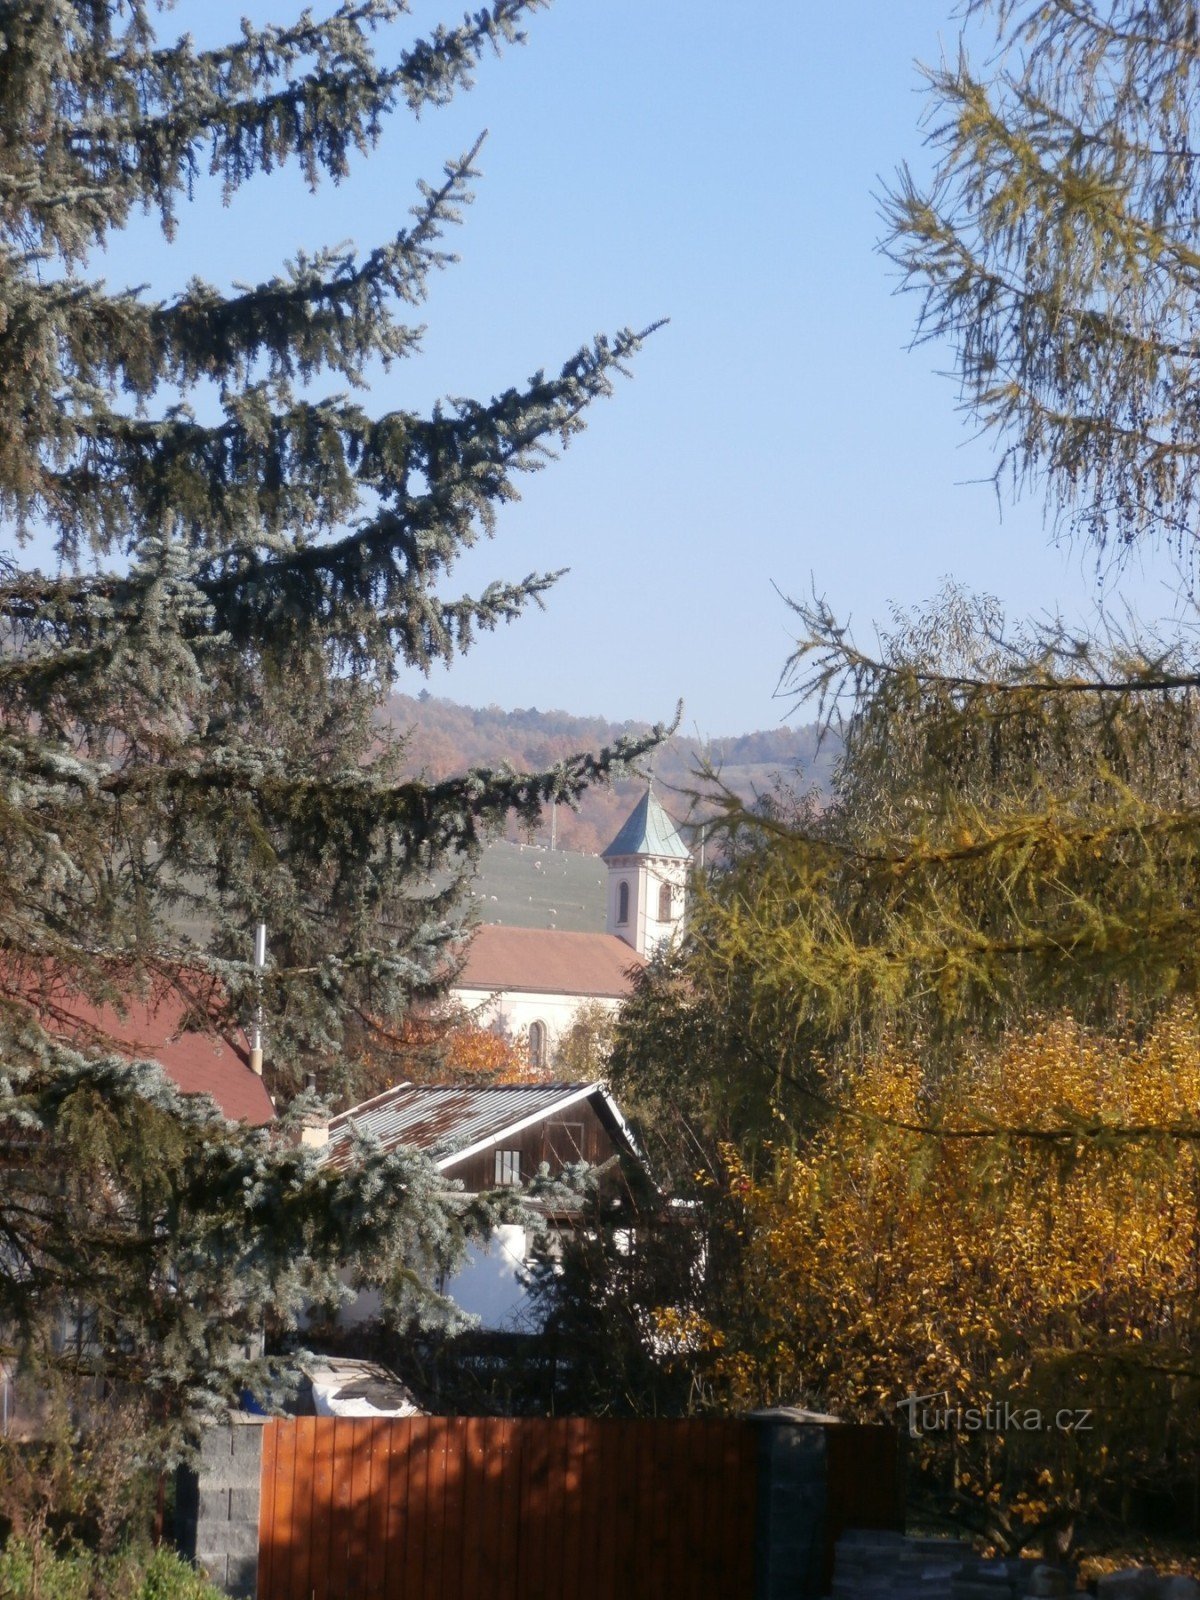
(716, 164)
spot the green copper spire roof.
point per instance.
(647, 831)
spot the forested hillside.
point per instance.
(446, 738)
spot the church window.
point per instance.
(622, 902)
(537, 1044)
(664, 902)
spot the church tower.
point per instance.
(647, 877)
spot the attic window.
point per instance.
(623, 902)
(664, 902)
(508, 1167)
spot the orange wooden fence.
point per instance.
(479, 1508)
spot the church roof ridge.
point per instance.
(648, 831)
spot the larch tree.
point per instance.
(244, 561)
(1054, 250)
(996, 918)
(1017, 819)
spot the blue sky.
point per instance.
(716, 165)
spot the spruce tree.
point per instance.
(244, 562)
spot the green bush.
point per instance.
(32, 1571)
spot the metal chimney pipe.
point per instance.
(260, 961)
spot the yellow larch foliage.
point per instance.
(886, 1263)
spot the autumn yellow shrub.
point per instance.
(1000, 1239)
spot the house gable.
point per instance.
(462, 1128)
(570, 1134)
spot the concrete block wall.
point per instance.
(218, 1505)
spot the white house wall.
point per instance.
(493, 1285)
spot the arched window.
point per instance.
(622, 902)
(537, 1044)
(664, 902)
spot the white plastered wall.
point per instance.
(643, 930)
(514, 1011)
(492, 1285)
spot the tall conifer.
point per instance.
(244, 561)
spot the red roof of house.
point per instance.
(198, 1063)
(548, 961)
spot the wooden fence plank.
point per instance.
(302, 1506)
(532, 1508)
(320, 1516)
(377, 1510)
(341, 1504)
(418, 1510)
(284, 1468)
(396, 1549)
(473, 1570)
(625, 1445)
(359, 1510)
(682, 1556)
(735, 1439)
(266, 1506)
(576, 1515)
(742, 1549)
(556, 1514)
(694, 1521)
(607, 1470)
(435, 1500)
(454, 1528)
(504, 1486)
(656, 1512)
(663, 1506)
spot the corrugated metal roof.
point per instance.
(648, 831)
(446, 1120)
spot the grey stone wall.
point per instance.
(217, 1505)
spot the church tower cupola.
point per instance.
(647, 877)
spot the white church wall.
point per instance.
(643, 931)
(625, 870)
(514, 1012)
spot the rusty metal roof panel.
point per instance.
(445, 1121)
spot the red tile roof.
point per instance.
(198, 1063)
(548, 961)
